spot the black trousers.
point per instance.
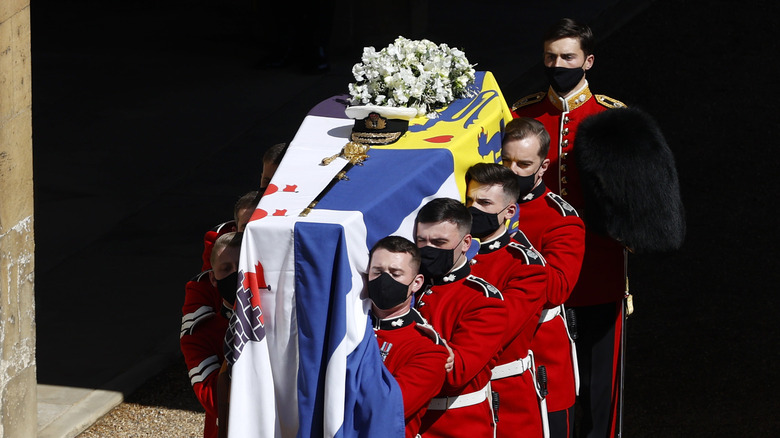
(598, 352)
(561, 423)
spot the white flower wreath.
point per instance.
(412, 74)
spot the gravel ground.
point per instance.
(163, 406)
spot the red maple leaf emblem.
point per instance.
(290, 188)
(258, 214)
(282, 212)
(254, 281)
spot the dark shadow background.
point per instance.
(150, 119)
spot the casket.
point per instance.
(304, 358)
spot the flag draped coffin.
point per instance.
(304, 358)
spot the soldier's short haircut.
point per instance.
(491, 174)
(524, 127)
(445, 210)
(227, 240)
(569, 28)
(248, 200)
(275, 153)
(399, 244)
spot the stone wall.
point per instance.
(18, 410)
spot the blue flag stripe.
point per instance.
(380, 189)
(323, 278)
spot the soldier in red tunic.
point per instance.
(411, 350)
(208, 305)
(518, 271)
(470, 315)
(555, 229)
(600, 293)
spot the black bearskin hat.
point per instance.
(629, 181)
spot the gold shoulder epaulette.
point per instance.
(527, 100)
(609, 102)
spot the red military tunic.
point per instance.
(202, 336)
(602, 276)
(602, 281)
(416, 362)
(555, 229)
(518, 271)
(471, 316)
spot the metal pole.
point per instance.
(627, 307)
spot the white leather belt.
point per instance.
(519, 367)
(550, 314)
(459, 401)
(512, 368)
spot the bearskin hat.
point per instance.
(629, 181)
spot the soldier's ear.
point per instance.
(510, 211)
(466, 243)
(588, 62)
(212, 279)
(545, 166)
(417, 282)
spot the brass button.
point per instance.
(565, 131)
(564, 155)
(563, 168)
(564, 192)
(566, 120)
(565, 142)
(564, 180)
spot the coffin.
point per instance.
(304, 358)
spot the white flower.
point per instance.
(358, 70)
(412, 73)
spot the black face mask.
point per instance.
(526, 183)
(436, 262)
(386, 292)
(228, 287)
(563, 79)
(484, 224)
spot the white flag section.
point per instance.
(304, 358)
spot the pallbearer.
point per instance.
(555, 229)
(518, 271)
(470, 315)
(410, 349)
